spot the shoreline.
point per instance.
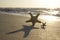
(9, 23)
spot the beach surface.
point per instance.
(14, 27)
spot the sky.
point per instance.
(30, 3)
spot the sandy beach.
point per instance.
(17, 26)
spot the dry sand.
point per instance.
(9, 23)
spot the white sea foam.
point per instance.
(27, 15)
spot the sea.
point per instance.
(44, 16)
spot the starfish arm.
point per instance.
(28, 21)
(39, 21)
(30, 14)
(33, 23)
(38, 14)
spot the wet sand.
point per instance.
(11, 23)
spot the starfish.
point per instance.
(43, 25)
(34, 19)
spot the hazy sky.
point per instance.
(30, 3)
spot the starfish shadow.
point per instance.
(26, 29)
